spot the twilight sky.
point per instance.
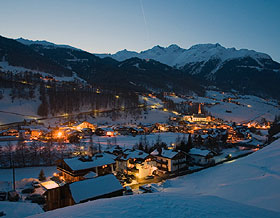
(107, 26)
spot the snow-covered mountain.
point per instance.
(228, 68)
(178, 57)
(43, 43)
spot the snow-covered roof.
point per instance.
(165, 153)
(49, 185)
(131, 154)
(90, 175)
(91, 188)
(196, 151)
(99, 159)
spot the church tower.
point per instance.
(199, 109)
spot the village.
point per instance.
(95, 162)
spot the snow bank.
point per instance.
(19, 209)
(161, 205)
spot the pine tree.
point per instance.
(189, 144)
(42, 176)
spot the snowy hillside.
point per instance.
(252, 180)
(248, 187)
(234, 107)
(243, 108)
(179, 57)
(43, 43)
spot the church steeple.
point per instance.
(199, 109)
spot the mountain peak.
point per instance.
(175, 56)
(206, 46)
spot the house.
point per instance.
(202, 157)
(78, 192)
(135, 162)
(105, 132)
(91, 189)
(56, 196)
(85, 125)
(122, 130)
(74, 169)
(136, 131)
(169, 160)
(114, 149)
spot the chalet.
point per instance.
(148, 128)
(122, 130)
(136, 131)
(162, 127)
(78, 192)
(115, 150)
(135, 162)
(170, 160)
(105, 132)
(74, 169)
(56, 196)
(202, 157)
(84, 125)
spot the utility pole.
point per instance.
(14, 179)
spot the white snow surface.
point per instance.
(26, 172)
(19, 209)
(196, 151)
(173, 55)
(247, 187)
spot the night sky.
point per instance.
(111, 25)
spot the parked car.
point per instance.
(145, 189)
(28, 190)
(128, 190)
(13, 196)
(35, 184)
(3, 196)
(36, 198)
(149, 177)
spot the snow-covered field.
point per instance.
(129, 141)
(27, 172)
(17, 110)
(250, 108)
(19, 209)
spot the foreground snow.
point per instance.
(253, 180)
(19, 209)
(27, 172)
(248, 187)
(161, 205)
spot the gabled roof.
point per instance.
(99, 159)
(92, 188)
(165, 153)
(196, 151)
(131, 154)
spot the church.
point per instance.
(199, 117)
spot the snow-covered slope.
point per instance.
(253, 180)
(19, 209)
(248, 187)
(43, 43)
(173, 55)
